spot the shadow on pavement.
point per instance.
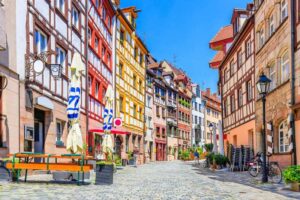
(244, 178)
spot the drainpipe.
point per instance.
(292, 121)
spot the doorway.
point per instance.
(39, 133)
(150, 150)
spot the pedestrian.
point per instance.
(196, 156)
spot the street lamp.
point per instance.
(211, 128)
(263, 86)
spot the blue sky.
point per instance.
(180, 30)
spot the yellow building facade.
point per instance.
(130, 84)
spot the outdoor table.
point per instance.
(26, 158)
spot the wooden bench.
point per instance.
(26, 163)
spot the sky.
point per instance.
(179, 31)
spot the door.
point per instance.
(38, 137)
(151, 150)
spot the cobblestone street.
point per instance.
(166, 180)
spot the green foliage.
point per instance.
(219, 159)
(129, 154)
(200, 150)
(185, 155)
(117, 160)
(209, 147)
(292, 174)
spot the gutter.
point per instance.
(87, 75)
(292, 103)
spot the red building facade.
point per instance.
(100, 70)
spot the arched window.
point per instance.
(283, 137)
(284, 67)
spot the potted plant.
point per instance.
(291, 175)
(105, 170)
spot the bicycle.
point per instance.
(273, 170)
(4, 172)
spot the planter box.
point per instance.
(295, 187)
(65, 175)
(131, 162)
(104, 174)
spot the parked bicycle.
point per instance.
(273, 169)
(4, 172)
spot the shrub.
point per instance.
(219, 158)
(292, 174)
(209, 147)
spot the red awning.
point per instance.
(113, 131)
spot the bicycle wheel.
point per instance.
(4, 174)
(254, 170)
(275, 174)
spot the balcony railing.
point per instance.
(2, 29)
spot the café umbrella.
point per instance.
(74, 139)
(107, 143)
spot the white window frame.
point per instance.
(240, 97)
(90, 35)
(271, 25)
(283, 10)
(284, 67)
(75, 17)
(249, 90)
(61, 56)
(261, 37)
(38, 41)
(96, 44)
(61, 6)
(97, 87)
(57, 131)
(272, 76)
(248, 48)
(283, 139)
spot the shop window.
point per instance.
(59, 132)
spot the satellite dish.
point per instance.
(38, 66)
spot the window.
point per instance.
(134, 81)
(227, 75)
(157, 131)
(103, 13)
(97, 89)
(157, 111)
(141, 58)
(272, 76)
(75, 17)
(249, 91)
(140, 85)
(163, 132)
(231, 68)
(285, 67)
(232, 99)
(135, 53)
(89, 35)
(90, 84)
(284, 10)
(122, 37)
(240, 97)
(248, 48)
(61, 59)
(41, 41)
(271, 25)
(97, 3)
(59, 131)
(148, 102)
(121, 69)
(196, 118)
(121, 104)
(163, 113)
(149, 122)
(103, 93)
(208, 111)
(227, 106)
(96, 44)
(60, 4)
(239, 58)
(103, 52)
(134, 111)
(283, 137)
(141, 114)
(261, 38)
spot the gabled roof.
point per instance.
(225, 35)
(216, 61)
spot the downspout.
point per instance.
(87, 76)
(292, 121)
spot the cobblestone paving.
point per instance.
(165, 180)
